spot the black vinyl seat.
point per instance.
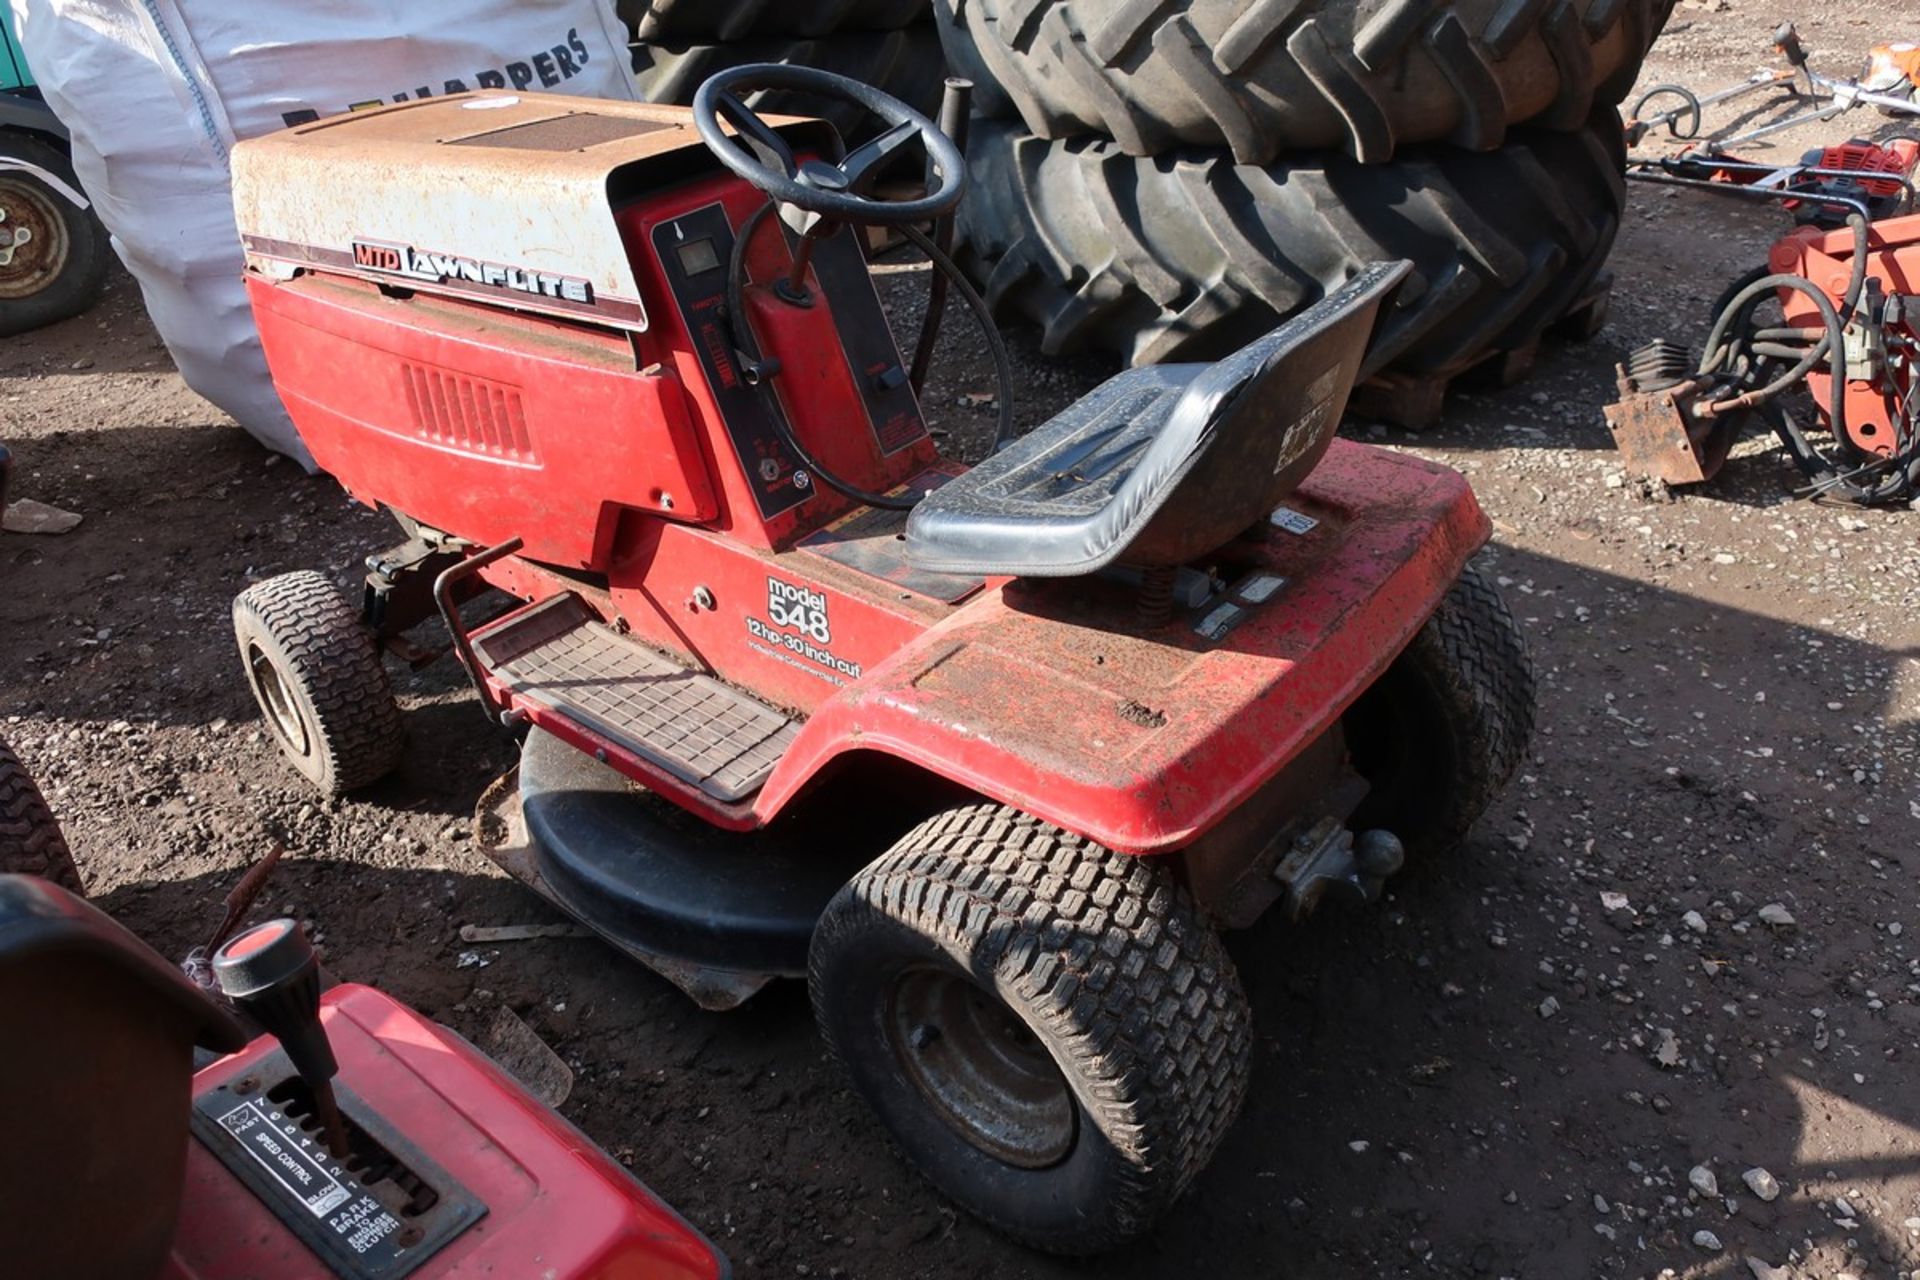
(1159, 465)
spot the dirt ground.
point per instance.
(1503, 1071)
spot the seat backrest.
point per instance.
(1249, 429)
(96, 1065)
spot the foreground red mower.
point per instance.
(992, 754)
(150, 1135)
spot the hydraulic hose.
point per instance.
(1900, 475)
(1834, 341)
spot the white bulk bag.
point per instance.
(156, 92)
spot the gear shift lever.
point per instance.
(270, 971)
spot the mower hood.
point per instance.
(495, 197)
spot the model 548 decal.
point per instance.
(800, 608)
(799, 625)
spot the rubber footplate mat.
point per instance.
(560, 656)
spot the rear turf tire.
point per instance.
(315, 671)
(1441, 733)
(30, 840)
(1088, 985)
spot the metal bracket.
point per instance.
(1660, 434)
(445, 589)
(398, 594)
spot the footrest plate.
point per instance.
(558, 655)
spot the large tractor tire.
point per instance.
(1189, 256)
(315, 671)
(1265, 79)
(56, 252)
(730, 20)
(1050, 1031)
(908, 64)
(1440, 734)
(30, 840)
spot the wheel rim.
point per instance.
(980, 1069)
(283, 711)
(33, 240)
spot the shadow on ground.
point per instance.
(1411, 1110)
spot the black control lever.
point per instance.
(271, 972)
(1787, 41)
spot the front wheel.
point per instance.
(316, 673)
(1440, 733)
(1049, 1030)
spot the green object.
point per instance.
(13, 59)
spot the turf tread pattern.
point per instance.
(1472, 651)
(1109, 955)
(1188, 256)
(321, 648)
(1463, 690)
(31, 843)
(1268, 77)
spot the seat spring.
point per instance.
(1154, 605)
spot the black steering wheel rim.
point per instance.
(756, 153)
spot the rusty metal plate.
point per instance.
(573, 132)
(1656, 437)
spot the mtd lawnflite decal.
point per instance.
(797, 623)
(404, 260)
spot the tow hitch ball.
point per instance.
(1327, 858)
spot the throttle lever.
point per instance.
(270, 971)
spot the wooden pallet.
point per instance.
(1414, 402)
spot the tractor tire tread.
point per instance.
(1274, 76)
(703, 20)
(327, 651)
(31, 843)
(907, 63)
(1107, 952)
(1189, 256)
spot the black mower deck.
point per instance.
(717, 913)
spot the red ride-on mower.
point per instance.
(155, 1133)
(991, 755)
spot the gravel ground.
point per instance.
(1655, 1020)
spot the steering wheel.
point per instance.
(837, 192)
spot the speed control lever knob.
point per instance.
(271, 972)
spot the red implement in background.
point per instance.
(1845, 278)
(555, 1205)
(1879, 381)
